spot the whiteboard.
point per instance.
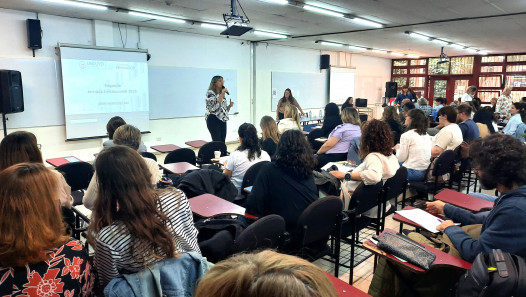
(43, 104)
(341, 84)
(177, 92)
(309, 89)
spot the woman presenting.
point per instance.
(286, 99)
(217, 109)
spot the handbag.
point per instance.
(405, 248)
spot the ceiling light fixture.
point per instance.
(79, 4)
(457, 46)
(213, 26)
(323, 11)
(397, 54)
(440, 41)
(379, 51)
(330, 43)
(483, 53)
(417, 35)
(357, 48)
(157, 17)
(367, 22)
(471, 50)
(282, 2)
(412, 56)
(270, 34)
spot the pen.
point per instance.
(440, 220)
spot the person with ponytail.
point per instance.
(517, 110)
(247, 154)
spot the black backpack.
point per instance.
(494, 275)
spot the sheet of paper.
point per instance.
(422, 218)
(342, 166)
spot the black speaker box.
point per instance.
(391, 89)
(34, 35)
(325, 61)
(11, 95)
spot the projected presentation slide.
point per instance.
(100, 84)
(341, 84)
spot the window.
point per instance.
(418, 62)
(435, 68)
(491, 69)
(517, 95)
(460, 87)
(417, 82)
(400, 63)
(418, 71)
(516, 58)
(485, 96)
(399, 71)
(402, 81)
(492, 59)
(516, 81)
(516, 68)
(494, 81)
(462, 65)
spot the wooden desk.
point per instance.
(442, 259)
(196, 143)
(165, 148)
(63, 160)
(344, 289)
(464, 201)
(208, 206)
(178, 167)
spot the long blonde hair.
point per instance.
(292, 112)
(266, 273)
(269, 128)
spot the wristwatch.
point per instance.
(348, 176)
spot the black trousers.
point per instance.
(216, 127)
(323, 159)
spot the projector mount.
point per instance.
(237, 25)
(443, 57)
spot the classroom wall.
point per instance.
(170, 48)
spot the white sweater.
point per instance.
(287, 124)
(414, 150)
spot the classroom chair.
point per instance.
(149, 155)
(444, 164)
(265, 233)
(77, 175)
(206, 152)
(248, 180)
(181, 155)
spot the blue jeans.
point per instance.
(415, 175)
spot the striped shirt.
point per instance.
(113, 244)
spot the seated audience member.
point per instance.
(376, 147)
(450, 136)
(520, 133)
(133, 225)
(247, 154)
(484, 120)
(286, 185)
(517, 111)
(501, 163)
(469, 94)
(390, 116)
(291, 120)
(111, 126)
(36, 258)
(470, 130)
(523, 99)
(424, 106)
(331, 119)
(129, 136)
(476, 103)
(440, 102)
(405, 109)
(270, 134)
(493, 103)
(265, 273)
(20, 147)
(336, 147)
(348, 103)
(414, 150)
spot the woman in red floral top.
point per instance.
(36, 259)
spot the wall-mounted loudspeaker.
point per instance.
(34, 34)
(391, 89)
(325, 61)
(11, 95)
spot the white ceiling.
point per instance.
(502, 34)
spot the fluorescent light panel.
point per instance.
(357, 48)
(417, 35)
(282, 2)
(157, 17)
(323, 11)
(412, 56)
(367, 22)
(213, 26)
(397, 54)
(440, 41)
(269, 34)
(379, 51)
(457, 46)
(79, 4)
(330, 43)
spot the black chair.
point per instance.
(249, 178)
(462, 174)
(77, 175)
(393, 187)
(363, 199)
(149, 155)
(181, 155)
(206, 152)
(444, 164)
(320, 220)
(265, 233)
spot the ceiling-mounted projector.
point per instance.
(237, 25)
(443, 57)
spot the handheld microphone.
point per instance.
(226, 91)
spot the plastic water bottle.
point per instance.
(310, 114)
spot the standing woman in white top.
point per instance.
(414, 150)
(132, 224)
(450, 136)
(217, 109)
(291, 120)
(247, 154)
(470, 93)
(517, 111)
